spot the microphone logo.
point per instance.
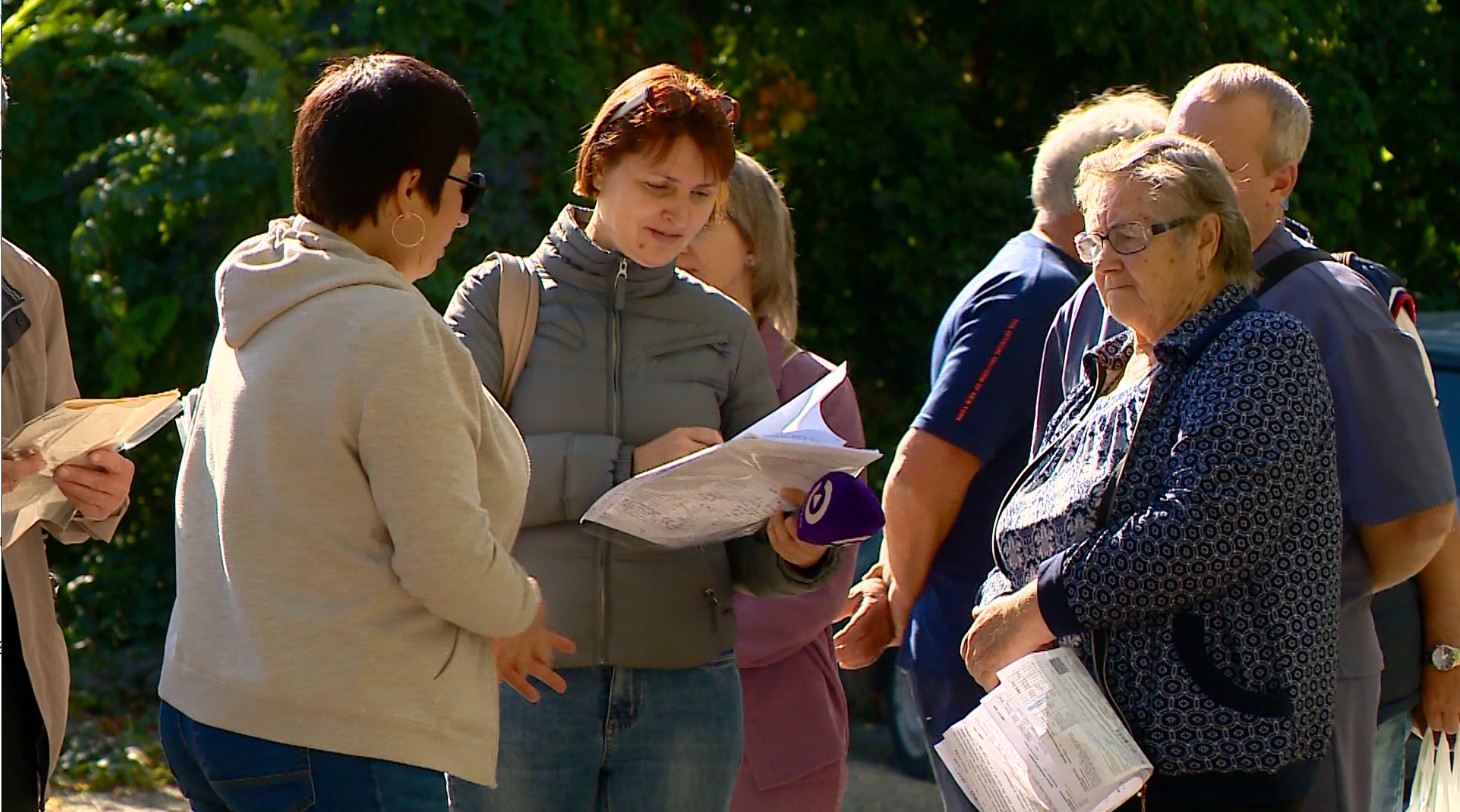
(818, 502)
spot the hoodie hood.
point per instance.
(294, 261)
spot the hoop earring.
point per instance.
(396, 222)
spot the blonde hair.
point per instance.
(1185, 171)
(758, 209)
(1090, 126)
(1292, 119)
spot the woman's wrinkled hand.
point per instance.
(680, 442)
(529, 655)
(782, 531)
(1003, 631)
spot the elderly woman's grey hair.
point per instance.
(1292, 120)
(757, 207)
(1092, 126)
(1186, 177)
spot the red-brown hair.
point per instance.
(643, 129)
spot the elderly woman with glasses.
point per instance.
(795, 710)
(348, 493)
(1179, 525)
(632, 364)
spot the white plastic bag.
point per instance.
(1436, 786)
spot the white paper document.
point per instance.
(1045, 740)
(729, 490)
(65, 434)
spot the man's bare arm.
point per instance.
(1398, 550)
(1440, 604)
(922, 497)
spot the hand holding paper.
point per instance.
(20, 468)
(672, 445)
(77, 444)
(99, 488)
(1003, 631)
(1045, 740)
(730, 489)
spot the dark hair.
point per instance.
(643, 129)
(367, 120)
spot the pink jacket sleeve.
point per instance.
(771, 630)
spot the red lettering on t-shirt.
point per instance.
(989, 367)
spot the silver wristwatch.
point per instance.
(1445, 657)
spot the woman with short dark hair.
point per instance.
(633, 364)
(348, 494)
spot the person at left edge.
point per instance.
(37, 376)
(348, 492)
(37, 680)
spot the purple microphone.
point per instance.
(839, 509)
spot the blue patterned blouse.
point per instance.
(1207, 604)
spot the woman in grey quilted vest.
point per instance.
(633, 364)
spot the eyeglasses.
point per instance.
(1124, 238)
(673, 102)
(473, 187)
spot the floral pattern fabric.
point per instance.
(1215, 582)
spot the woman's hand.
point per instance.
(782, 531)
(680, 442)
(530, 654)
(1002, 632)
(21, 467)
(97, 490)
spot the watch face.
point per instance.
(1445, 657)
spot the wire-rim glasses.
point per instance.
(1125, 238)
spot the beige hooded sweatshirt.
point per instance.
(345, 509)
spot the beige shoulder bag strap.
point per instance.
(518, 299)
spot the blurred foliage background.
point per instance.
(147, 137)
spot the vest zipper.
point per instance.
(714, 600)
(615, 405)
(710, 594)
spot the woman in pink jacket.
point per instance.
(795, 710)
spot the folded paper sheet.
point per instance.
(729, 490)
(1045, 740)
(68, 433)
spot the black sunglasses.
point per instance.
(473, 187)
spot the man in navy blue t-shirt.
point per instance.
(971, 437)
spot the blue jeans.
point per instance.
(220, 771)
(1388, 788)
(625, 739)
(943, 702)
